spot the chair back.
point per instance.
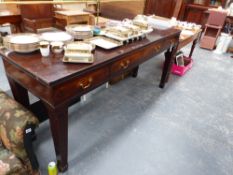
(216, 18)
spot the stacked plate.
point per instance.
(79, 52)
(57, 37)
(22, 43)
(121, 31)
(80, 32)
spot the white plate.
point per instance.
(144, 32)
(56, 36)
(82, 29)
(159, 23)
(24, 39)
(186, 33)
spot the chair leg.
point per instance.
(29, 136)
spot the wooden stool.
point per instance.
(213, 29)
(64, 18)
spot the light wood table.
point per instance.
(64, 18)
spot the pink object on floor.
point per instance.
(181, 70)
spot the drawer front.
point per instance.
(170, 41)
(82, 84)
(153, 50)
(136, 58)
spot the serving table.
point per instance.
(185, 40)
(59, 84)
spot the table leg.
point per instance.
(135, 72)
(20, 93)
(169, 59)
(193, 47)
(58, 118)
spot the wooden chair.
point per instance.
(213, 29)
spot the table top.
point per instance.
(183, 36)
(52, 70)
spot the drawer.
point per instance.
(81, 84)
(136, 58)
(124, 64)
(153, 50)
(170, 41)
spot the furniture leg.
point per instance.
(107, 85)
(169, 59)
(193, 47)
(135, 72)
(29, 136)
(59, 127)
(20, 93)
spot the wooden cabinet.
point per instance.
(121, 9)
(195, 10)
(163, 8)
(215, 3)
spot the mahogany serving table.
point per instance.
(59, 84)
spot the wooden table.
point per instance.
(59, 84)
(8, 17)
(64, 18)
(185, 40)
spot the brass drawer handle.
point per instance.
(125, 65)
(84, 85)
(157, 48)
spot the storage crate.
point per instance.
(181, 70)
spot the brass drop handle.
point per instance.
(87, 85)
(125, 65)
(157, 48)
